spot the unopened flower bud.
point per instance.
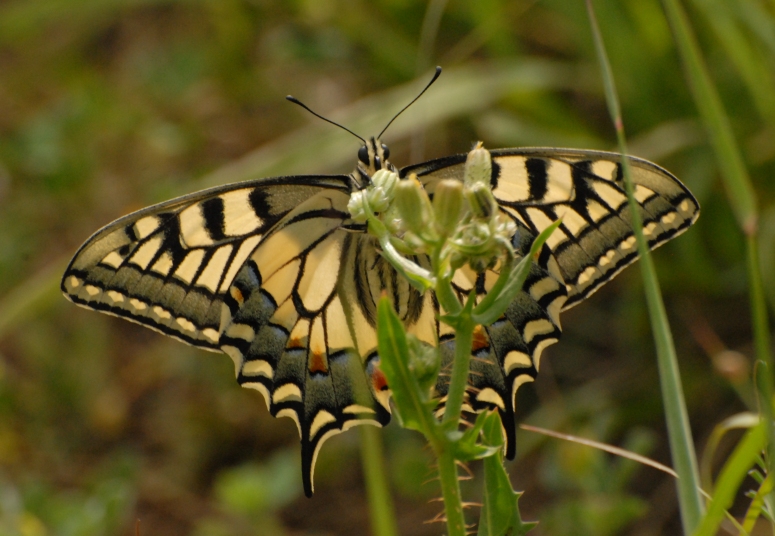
(380, 193)
(356, 206)
(481, 200)
(478, 168)
(447, 202)
(413, 204)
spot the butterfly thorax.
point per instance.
(372, 157)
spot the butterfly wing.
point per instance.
(595, 241)
(169, 265)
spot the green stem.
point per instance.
(383, 518)
(450, 489)
(458, 382)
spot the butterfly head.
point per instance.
(372, 157)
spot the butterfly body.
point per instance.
(276, 274)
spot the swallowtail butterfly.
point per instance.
(274, 273)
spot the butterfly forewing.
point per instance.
(595, 241)
(586, 190)
(169, 265)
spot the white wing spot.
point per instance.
(193, 232)
(145, 253)
(162, 313)
(649, 229)
(516, 359)
(211, 334)
(289, 392)
(489, 396)
(211, 275)
(627, 243)
(92, 290)
(604, 169)
(145, 226)
(322, 418)
(163, 265)
(642, 193)
(115, 296)
(608, 193)
(355, 409)
(258, 367)
(596, 211)
(573, 221)
(113, 259)
(241, 331)
(185, 323)
(559, 187)
(536, 327)
(513, 185)
(137, 304)
(239, 218)
(586, 275)
(606, 259)
(188, 268)
(669, 218)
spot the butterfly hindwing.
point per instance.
(300, 323)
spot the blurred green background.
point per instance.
(107, 106)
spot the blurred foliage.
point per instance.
(110, 105)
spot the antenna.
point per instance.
(435, 76)
(294, 100)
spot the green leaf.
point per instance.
(412, 403)
(500, 510)
(732, 475)
(509, 283)
(467, 446)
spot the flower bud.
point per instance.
(380, 193)
(413, 204)
(478, 168)
(481, 200)
(447, 202)
(356, 206)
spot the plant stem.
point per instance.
(458, 382)
(383, 518)
(450, 489)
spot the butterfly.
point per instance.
(276, 274)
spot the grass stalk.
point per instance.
(383, 516)
(679, 431)
(740, 192)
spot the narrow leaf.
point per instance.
(492, 307)
(732, 475)
(412, 404)
(500, 511)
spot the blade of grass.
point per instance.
(679, 431)
(741, 197)
(732, 475)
